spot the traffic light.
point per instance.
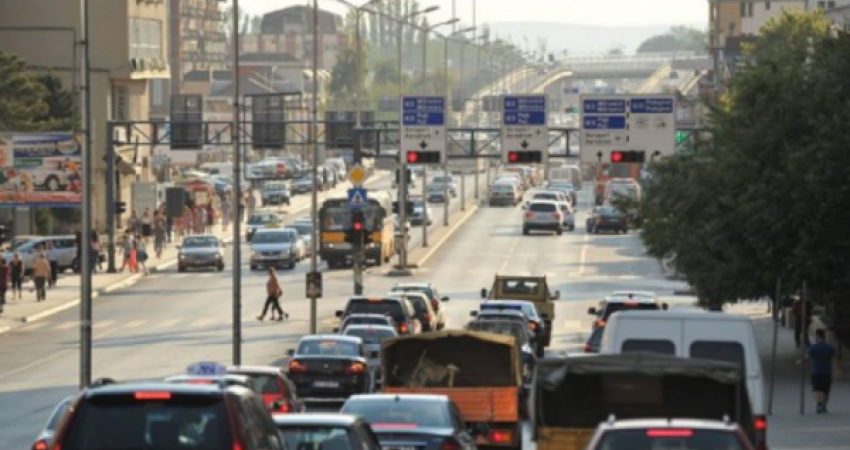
(524, 157)
(627, 156)
(120, 207)
(423, 157)
(357, 233)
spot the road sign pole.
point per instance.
(359, 260)
(446, 193)
(402, 213)
(463, 189)
(425, 217)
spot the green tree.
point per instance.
(60, 112)
(679, 38)
(22, 96)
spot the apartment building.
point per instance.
(129, 51)
(756, 13)
(198, 41)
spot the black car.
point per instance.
(400, 309)
(168, 415)
(607, 218)
(412, 421)
(330, 366)
(326, 432)
(594, 341)
(45, 437)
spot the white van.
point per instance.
(706, 335)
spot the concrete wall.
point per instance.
(764, 10)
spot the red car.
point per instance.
(274, 386)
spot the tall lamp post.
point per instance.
(358, 42)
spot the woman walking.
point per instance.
(159, 234)
(4, 282)
(147, 225)
(273, 300)
(16, 272)
(141, 255)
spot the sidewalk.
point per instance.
(787, 429)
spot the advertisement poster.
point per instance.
(40, 169)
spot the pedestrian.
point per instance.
(824, 365)
(16, 269)
(141, 254)
(200, 219)
(4, 282)
(133, 223)
(225, 211)
(53, 259)
(41, 275)
(275, 292)
(127, 247)
(96, 248)
(147, 225)
(159, 235)
(801, 336)
(250, 203)
(210, 217)
(241, 211)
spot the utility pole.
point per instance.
(314, 198)
(446, 171)
(237, 194)
(86, 232)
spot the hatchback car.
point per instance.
(431, 320)
(668, 434)
(203, 251)
(607, 218)
(275, 248)
(542, 215)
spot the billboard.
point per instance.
(40, 169)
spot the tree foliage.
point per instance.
(767, 198)
(31, 101)
(679, 38)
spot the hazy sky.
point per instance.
(585, 12)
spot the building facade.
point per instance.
(198, 41)
(129, 54)
(756, 13)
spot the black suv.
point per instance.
(167, 415)
(400, 309)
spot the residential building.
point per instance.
(198, 41)
(290, 31)
(129, 51)
(724, 22)
(840, 16)
(756, 13)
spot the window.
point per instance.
(649, 346)
(750, 9)
(732, 352)
(830, 5)
(145, 39)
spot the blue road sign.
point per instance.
(536, 118)
(423, 111)
(651, 105)
(357, 198)
(613, 106)
(604, 123)
(526, 110)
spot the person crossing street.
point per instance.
(275, 292)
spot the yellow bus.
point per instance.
(335, 218)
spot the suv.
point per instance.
(543, 215)
(669, 434)
(400, 309)
(505, 192)
(624, 300)
(166, 415)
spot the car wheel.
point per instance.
(220, 268)
(52, 183)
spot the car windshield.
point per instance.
(613, 307)
(370, 335)
(427, 291)
(546, 196)
(259, 219)
(367, 321)
(393, 308)
(608, 211)
(301, 437)
(503, 188)
(436, 187)
(543, 207)
(143, 420)
(275, 237)
(390, 413)
(328, 347)
(196, 242)
(264, 383)
(669, 438)
(525, 287)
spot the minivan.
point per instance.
(705, 335)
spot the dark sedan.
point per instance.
(412, 421)
(607, 218)
(326, 432)
(330, 367)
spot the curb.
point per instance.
(127, 282)
(433, 248)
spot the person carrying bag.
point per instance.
(274, 292)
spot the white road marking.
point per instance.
(168, 323)
(508, 256)
(98, 325)
(135, 323)
(36, 325)
(583, 256)
(68, 325)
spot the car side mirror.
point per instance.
(483, 293)
(557, 295)
(444, 299)
(592, 311)
(339, 313)
(473, 314)
(291, 352)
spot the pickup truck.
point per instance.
(480, 372)
(528, 288)
(571, 396)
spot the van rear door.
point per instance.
(632, 333)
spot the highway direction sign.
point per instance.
(524, 125)
(423, 126)
(645, 123)
(357, 198)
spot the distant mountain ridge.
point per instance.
(579, 39)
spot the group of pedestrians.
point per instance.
(135, 253)
(11, 273)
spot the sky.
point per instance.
(581, 12)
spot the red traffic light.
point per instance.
(358, 226)
(527, 157)
(513, 157)
(423, 157)
(616, 157)
(412, 157)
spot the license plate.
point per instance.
(326, 384)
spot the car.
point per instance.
(398, 308)
(372, 336)
(66, 247)
(509, 315)
(430, 319)
(449, 182)
(505, 193)
(561, 199)
(305, 184)
(326, 431)
(423, 422)
(45, 436)
(200, 250)
(621, 301)
(437, 193)
(421, 210)
(524, 340)
(542, 215)
(672, 433)
(261, 220)
(275, 248)
(274, 387)
(330, 366)
(222, 379)
(275, 193)
(607, 218)
(437, 302)
(365, 319)
(167, 415)
(305, 234)
(536, 324)
(566, 187)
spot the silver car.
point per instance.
(305, 233)
(275, 248)
(372, 336)
(203, 250)
(542, 215)
(449, 182)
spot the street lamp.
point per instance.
(425, 31)
(358, 14)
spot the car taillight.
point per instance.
(761, 423)
(296, 366)
(284, 408)
(450, 444)
(355, 369)
(40, 445)
(529, 215)
(402, 328)
(427, 317)
(556, 214)
(668, 433)
(499, 436)
(761, 432)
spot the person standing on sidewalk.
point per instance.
(147, 225)
(824, 365)
(159, 235)
(4, 282)
(16, 272)
(274, 292)
(53, 258)
(41, 275)
(141, 255)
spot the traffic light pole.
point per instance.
(402, 213)
(446, 193)
(425, 217)
(110, 198)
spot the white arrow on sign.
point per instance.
(357, 199)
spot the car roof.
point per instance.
(509, 302)
(414, 285)
(369, 327)
(331, 337)
(677, 315)
(418, 294)
(399, 398)
(539, 202)
(202, 236)
(160, 386)
(630, 296)
(332, 419)
(671, 423)
(502, 312)
(243, 370)
(367, 315)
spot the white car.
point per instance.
(561, 199)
